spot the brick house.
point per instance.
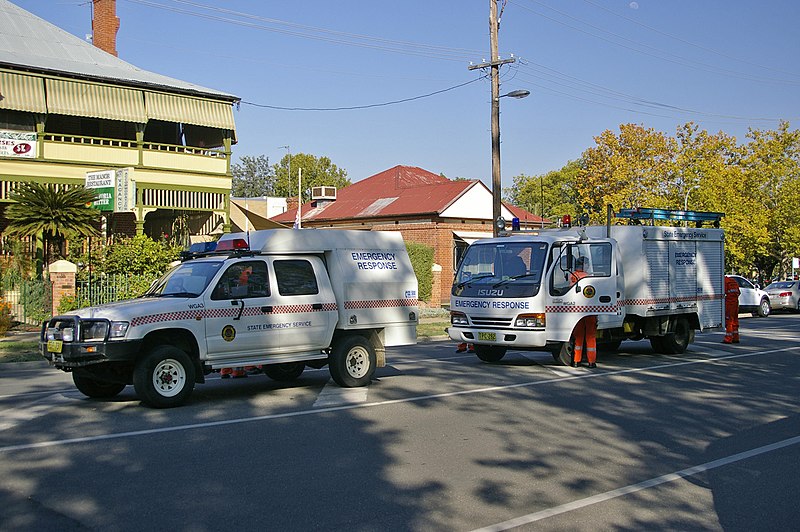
(423, 206)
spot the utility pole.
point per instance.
(494, 64)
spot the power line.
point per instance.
(369, 106)
(659, 54)
(311, 32)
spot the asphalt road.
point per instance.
(709, 440)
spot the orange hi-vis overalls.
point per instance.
(586, 333)
(731, 311)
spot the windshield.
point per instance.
(188, 279)
(512, 269)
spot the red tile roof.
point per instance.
(402, 191)
(398, 191)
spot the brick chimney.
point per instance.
(105, 25)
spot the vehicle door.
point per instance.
(304, 302)
(582, 282)
(748, 295)
(239, 318)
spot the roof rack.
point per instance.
(698, 217)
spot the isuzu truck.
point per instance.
(641, 280)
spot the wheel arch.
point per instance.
(182, 339)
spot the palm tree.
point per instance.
(57, 215)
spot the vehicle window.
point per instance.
(577, 261)
(243, 280)
(188, 279)
(744, 283)
(295, 278)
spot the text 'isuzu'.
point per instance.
(280, 299)
(524, 291)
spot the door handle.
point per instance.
(605, 299)
(266, 310)
(316, 306)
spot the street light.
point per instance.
(497, 187)
(686, 199)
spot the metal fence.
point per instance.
(31, 301)
(109, 288)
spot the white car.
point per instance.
(751, 298)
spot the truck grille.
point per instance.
(491, 321)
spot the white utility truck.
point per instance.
(641, 281)
(282, 299)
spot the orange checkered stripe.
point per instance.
(594, 309)
(227, 313)
(380, 303)
(662, 300)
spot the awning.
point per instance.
(471, 236)
(188, 110)
(245, 220)
(76, 98)
(22, 93)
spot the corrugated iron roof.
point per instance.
(401, 191)
(33, 43)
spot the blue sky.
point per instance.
(590, 65)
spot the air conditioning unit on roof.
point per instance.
(323, 193)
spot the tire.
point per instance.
(676, 342)
(164, 378)
(96, 389)
(286, 372)
(657, 343)
(763, 309)
(490, 353)
(352, 362)
(564, 355)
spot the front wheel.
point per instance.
(565, 353)
(763, 309)
(286, 372)
(352, 362)
(94, 388)
(490, 353)
(164, 377)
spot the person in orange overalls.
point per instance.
(731, 311)
(585, 332)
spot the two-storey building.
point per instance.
(69, 108)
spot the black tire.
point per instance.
(676, 342)
(96, 389)
(657, 343)
(352, 362)
(763, 308)
(490, 353)
(164, 378)
(286, 372)
(565, 354)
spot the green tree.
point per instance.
(549, 195)
(632, 169)
(252, 177)
(771, 167)
(316, 172)
(58, 214)
(140, 255)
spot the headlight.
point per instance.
(68, 334)
(119, 329)
(458, 318)
(530, 320)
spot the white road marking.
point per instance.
(333, 394)
(633, 488)
(298, 413)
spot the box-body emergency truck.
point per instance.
(524, 292)
(280, 299)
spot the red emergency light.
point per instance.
(566, 220)
(234, 244)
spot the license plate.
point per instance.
(491, 337)
(54, 346)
